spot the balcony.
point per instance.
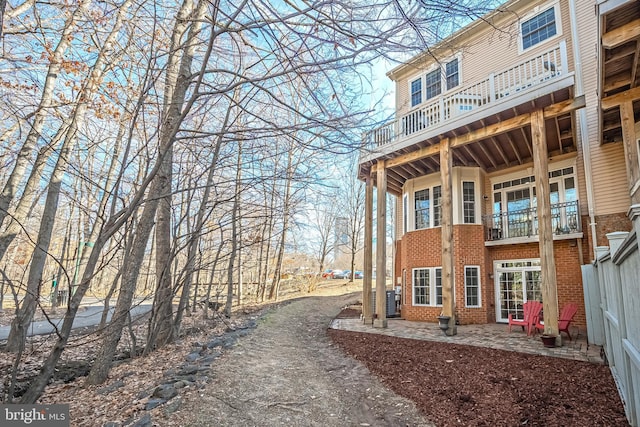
(520, 226)
(497, 90)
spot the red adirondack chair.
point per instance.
(564, 320)
(531, 311)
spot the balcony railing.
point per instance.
(532, 72)
(565, 219)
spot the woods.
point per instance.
(171, 151)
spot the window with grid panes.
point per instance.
(452, 74)
(539, 28)
(416, 92)
(421, 288)
(422, 208)
(433, 84)
(469, 202)
(437, 205)
(472, 286)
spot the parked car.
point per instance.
(341, 274)
(357, 274)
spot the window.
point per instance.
(416, 92)
(422, 209)
(405, 213)
(539, 28)
(438, 286)
(421, 287)
(437, 205)
(433, 84)
(468, 202)
(472, 286)
(427, 286)
(452, 74)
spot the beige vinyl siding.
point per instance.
(610, 186)
(493, 50)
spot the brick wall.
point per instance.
(422, 248)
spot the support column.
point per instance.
(367, 308)
(630, 150)
(381, 247)
(448, 297)
(545, 230)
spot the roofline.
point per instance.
(475, 26)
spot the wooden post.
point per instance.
(448, 298)
(630, 150)
(545, 233)
(367, 308)
(381, 248)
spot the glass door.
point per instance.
(516, 283)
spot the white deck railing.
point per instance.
(534, 71)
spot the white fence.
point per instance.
(617, 279)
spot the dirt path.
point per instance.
(287, 372)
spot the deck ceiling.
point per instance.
(620, 64)
(498, 151)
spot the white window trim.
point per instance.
(432, 286)
(476, 201)
(432, 207)
(531, 185)
(444, 63)
(534, 12)
(405, 213)
(477, 267)
(440, 65)
(409, 82)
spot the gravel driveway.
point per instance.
(287, 372)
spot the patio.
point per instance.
(494, 336)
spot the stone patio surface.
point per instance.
(495, 336)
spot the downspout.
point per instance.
(584, 131)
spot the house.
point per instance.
(505, 170)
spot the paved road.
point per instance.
(88, 317)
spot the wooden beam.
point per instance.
(423, 152)
(500, 150)
(547, 261)
(367, 308)
(564, 107)
(617, 81)
(630, 148)
(515, 150)
(617, 99)
(488, 156)
(491, 130)
(381, 248)
(473, 155)
(621, 35)
(448, 300)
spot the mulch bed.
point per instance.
(458, 385)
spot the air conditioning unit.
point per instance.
(391, 303)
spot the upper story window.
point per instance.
(423, 209)
(433, 84)
(428, 203)
(539, 28)
(468, 202)
(452, 74)
(416, 92)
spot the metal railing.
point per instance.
(534, 71)
(565, 219)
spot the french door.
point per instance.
(516, 282)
